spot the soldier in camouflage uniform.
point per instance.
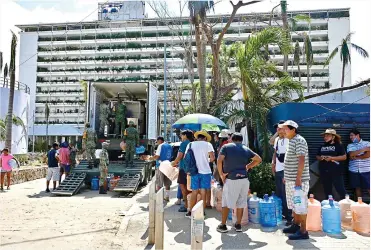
(90, 144)
(103, 117)
(120, 117)
(73, 153)
(103, 168)
(131, 137)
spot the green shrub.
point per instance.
(261, 179)
(22, 158)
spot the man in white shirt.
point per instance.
(203, 153)
(278, 166)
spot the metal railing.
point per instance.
(5, 83)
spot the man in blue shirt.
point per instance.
(359, 162)
(53, 169)
(234, 160)
(164, 152)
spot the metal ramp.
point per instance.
(71, 184)
(128, 183)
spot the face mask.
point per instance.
(355, 140)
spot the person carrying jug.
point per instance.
(103, 168)
(131, 138)
(330, 155)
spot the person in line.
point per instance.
(163, 153)
(6, 168)
(234, 160)
(278, 167)
(64, 158)
(330, 155)
(296, 174)
(359, 162)
(186, 137)
(131, 138)
(53, 170)
(203, 153)
(223, 140)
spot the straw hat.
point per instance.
(204, 133)
(331, 131)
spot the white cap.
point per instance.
(288, 123)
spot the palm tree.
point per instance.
(1, 61)
(308, 52)
(84, 86)
(47, 114)
(17, 121)
(297, 53)
(286, 29)
(5, 73)
(13, 46)
(345, 54)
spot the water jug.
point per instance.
(95, 183)
(230, 214)
(245, 216)
(314, 214)
(300, 201)
(346, 212)
(278, 205)
(325, 202)
(267, 212)
(331, 220)
(253, 207)
(361, 216)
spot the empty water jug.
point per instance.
(300, 201)
(346, 212)
(314, 214)
(94, 183)
(325, 202)
(267, 212)
(331, 220)
(278, 205)
(361, 217)
(253, 207)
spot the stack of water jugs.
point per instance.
(266, 211)
(334, 215)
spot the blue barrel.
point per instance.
(331, 219)
(278, 205)
(267, 212)
(253, 206)
(95, 183)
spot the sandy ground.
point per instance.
(33, 219)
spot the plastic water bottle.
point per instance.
(278, 205)
(230, 214)
(253, 207)
(361, 216)
(267, 212)
(346, 212)
(300, 201)
(95, 183)
(331, 218)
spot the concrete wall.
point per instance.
(20, 109)
(28, 69)
(338, 29)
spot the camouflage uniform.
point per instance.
(120, 117)
(131, 137)
(103, 164)
(103, 117)
(73, 153)
(91, 142)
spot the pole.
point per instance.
(159, 220)
(152, 213)
(197, 226)
(33, 132)
(165, 96)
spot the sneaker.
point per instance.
(291, 229)
(288, 223)
(188, 214)
(299, 236)
(47, 190)
(222, 228)
(182, 209)
(238, 227)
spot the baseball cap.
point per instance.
(288, 123)
(280, 122)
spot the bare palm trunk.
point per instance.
(308, 78)
(201, 67)
(9, 124)
(286, 30)
(343, 75)
(47, 134)
(299, 73)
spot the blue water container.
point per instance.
(253, 206)
(278, 205)
(331, 218)
(267, 211)
(95, 183)
(326, 202)
(230, 214)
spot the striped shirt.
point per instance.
(297, 147)
(359, 165)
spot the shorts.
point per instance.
(235, 193)
(162, 180)
(6, 170)
(359, 180)
(182, 177)
(53, 173)
(65, 168)
(290, 189)
(201, 181)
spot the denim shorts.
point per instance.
(359, 180)
(201, 181)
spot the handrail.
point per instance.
(5, 83)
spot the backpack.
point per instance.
(190, 165)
